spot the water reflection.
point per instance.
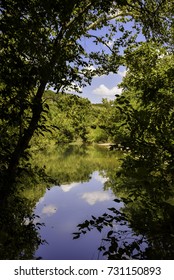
(148, 213)
(19, 226)
(19, 237)
(121, 213)
(62, 209)
(77, 171)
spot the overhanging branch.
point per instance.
(99, 20)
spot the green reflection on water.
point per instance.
(19, 234)
(73, 163)
(148, 194)
(146, 190)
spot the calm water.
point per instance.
(112, 212)
(63, 207)
(138, 225)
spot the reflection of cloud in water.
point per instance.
(67, 188)
(40, 200)
(93, 197)
(99, 178)
(49, 210)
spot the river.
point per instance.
(89, 203)
(81, 193)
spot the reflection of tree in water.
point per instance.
(18, 234)
(76, 163)
(144, 227)
(19, 237)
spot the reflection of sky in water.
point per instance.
(62, 209)
(94, 197)
(49, 209)
(67, 188)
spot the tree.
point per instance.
(147, 102)
(142, 228)
(42, 45)
(70, 114)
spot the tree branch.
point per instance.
(99, 20)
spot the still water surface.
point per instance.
(63, 207)
(139, 224)
(112, 212)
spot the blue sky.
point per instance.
(105, 86)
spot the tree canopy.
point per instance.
(61, 45)
(42, 46)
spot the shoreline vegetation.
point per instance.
(74, 119)
(63, 46)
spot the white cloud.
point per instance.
(67, 188)
(99, 178)
(93, 197)
(49, 210)
(122, 73)
(99, 76)
(105, 91)
(41, 200)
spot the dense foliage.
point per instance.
(146, 105)
(42, 47)
(73, 119)
(145, 181)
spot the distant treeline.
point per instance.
(71, 118)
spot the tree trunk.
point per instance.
(23, 142)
